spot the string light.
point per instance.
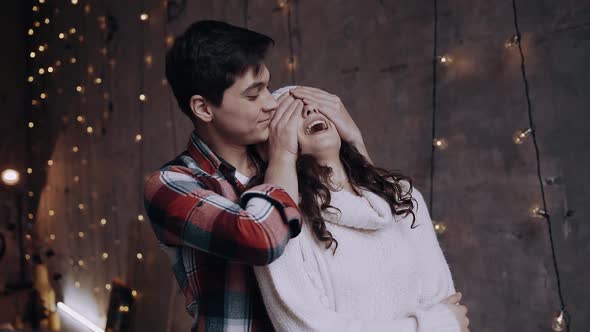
(149, 60)
(35, 8)
(34, 102)
(41, 48)
(30, 193)
(50, 162)
(537, 212)
(440, 143)
(520, 135)
(27, 256)
(105, 256)
(123, 308)
(439, 227)
(46, 21)
(81, 235)
(108, 287)
(30, 79)
(75, 149)
(31, 32)
(446, 59)
(80, 262)
(97, 80)
(89, 130)
(52, 237)
(81, 206)
(79, 88)
(103, 221)
(31, 124)
(80, 119)
(61, 35)
(134, 293)
(142, 97)
(169, 41)
(43, 95)
(29, 170)
(137, 138)
(74, 2)
(31, 216)
(139, 256)
(77, 284)
(559, 323)
(144, 16)
(140, 217)
(28, 237)
(37, 24)
(73, 60)
(72, 31)
(32, 55)
(291, 63)
(76, 179)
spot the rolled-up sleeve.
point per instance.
(254, 230)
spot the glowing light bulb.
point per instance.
(46, 21)
(559, 322)
(31, 32)
(74, 2)
(138, 138)
(51, 212)
(291, 63)
(80, 119)
(75, 149)
(50, 69)
(140, 217)
(439, 227)
(29, 170)
(10, 177)
(144, 16)
(50, 162)
(139, 256)
(445, 59)
(142, 97)
(31, 124)
(537, 212)
(103, 221)
(52, 237)
(107, 286)
(80, 262)
(32, 55)
(105, 256)
(134, 293)
(440, 143)
(89, 130)
(72, 31)
(98, 80)
(77, 284)
(81, 206)
(81, 235)
(520, 135)
(61, 35)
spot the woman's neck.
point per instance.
(339, 178)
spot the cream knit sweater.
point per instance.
(383, 277)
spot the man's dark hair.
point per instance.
(207, 58)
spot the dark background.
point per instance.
(377, 56)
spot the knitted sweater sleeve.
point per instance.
(295, 303)
(435, 281)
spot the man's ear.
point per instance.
(200, 108)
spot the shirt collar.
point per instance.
(211, 162)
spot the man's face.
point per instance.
(247, 107)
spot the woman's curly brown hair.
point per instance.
(314, 186)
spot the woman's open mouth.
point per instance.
(315, 127)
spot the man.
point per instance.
(211, 226)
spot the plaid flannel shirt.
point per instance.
(213, 231)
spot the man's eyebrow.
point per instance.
(256, 85)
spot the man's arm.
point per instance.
(254, 231)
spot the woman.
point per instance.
(366, 258)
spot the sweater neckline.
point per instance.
(368, 211)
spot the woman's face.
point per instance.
(317, 135)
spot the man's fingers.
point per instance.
(319, 98)
(298, 104)
(287, 102)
